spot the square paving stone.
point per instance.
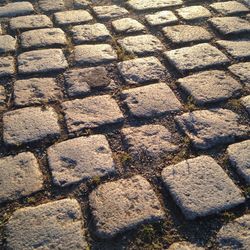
(90, 33)
(30, 124)
(124, 204)
(94, 54)
(179, 34)
(50, 6)
(43, 38)
(7, 44)
(194, 13)
(71, 17)
(245, 101)
(109, 12)
(127, 25)
(151, 100)
(239, 157)
(54, 225)
(36, 91)
(91, 112)
(210, 86)
(20, 176)
(242, 70)
(30, 22)
(164, 17)
(81, 3)
(79, 159)
(230, 25)
(184, 245)
(200, 187)
(151, 140)
(41, 61)
(7, 66)
(141, 45)
(209, 128)
(16, 9)
(196, 57)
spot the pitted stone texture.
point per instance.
(90, 33)
(43, 38)
(194, 13)
(7, 44)
(80, 159)
(16, 9)
(124, 204)
(196, 57)
(237, 49)
(229, 8)
(235, 234)
(239, 158)
(7, 66)
(2, 96)
(50, 6)
(127, 25)
(141, 45)
(29, 125)
(81, 3)
(41, 61)
(151, 140)
(30, 22)
(200, 187)
(54, 225)
(20, 176)
(91, 112)
(230, 25)
(242, 70)
(71, 17)
(141, 70)
(151, 100)
(161, 18)
(141, 5)
(36, 91)
(184, 245)
(210, 86)
(94, 54)
(246, 103)
(109, 12)
(186, 34)
(208, 128)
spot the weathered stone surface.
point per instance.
(246, 103)
(20, 176)
(72, 17)
(80, 159)
(141, 45)
(161, 18)
(186, 33)
(54, 225)
(50, 6)
(109, 12)
(242, 70)
(29, 125)
(208, 128)
(7, 66)
(81, 3)
(91, 112)
(196, 57)
(210, 86)
(2, 96)
(36, 91)
(16, 9)
(43, 38)
(194, 13)
(30, 22)
(151, 100)
(184, 245)
(41, 61)
(235, 234)
(127, 25)
(90, 33)
(230, 25)
(141, 70)
(94, 54)
(124, 204)
(200, 187)
(7, 44)
(229, 8)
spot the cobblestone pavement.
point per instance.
(124, 124)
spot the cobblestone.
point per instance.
(229, 8)
(127, 25)
(246, 103)
(161, 18)
(16, 9)
(193, 13)
(242, 70)
(109, 12)
(2, 96)
(81, 3)
(184, 245)
(51, 6)
(7, 66)
(7, 44)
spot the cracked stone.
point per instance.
(194, 13)
(7, 66)
(246, 103)
(16, 9)
(161, 18)
(127, 25)
(50, 6)
(184, 245)
(7, 44)
(109, 12)
(242, 70)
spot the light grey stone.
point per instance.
(16, 9)
(164, 17)
(2, 96)
(7, 44)
(124, 204)
(7, 66)
(208, 128)
(91, 112)
(1, 30)
(29, 125)
(194, 13)
(81, 3)
(229, 8)
(108, 12)
(41, 61)
(247, 2)
(50, 6)
(20, 176)
(127, 25)
(184, 245)
(196, 57)
(200, 187)
(210, 86)
(242, 70)
(79, 159)
(151, 100)
(54, 225)
(246, 103)
(36, 91)
(141, 70)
